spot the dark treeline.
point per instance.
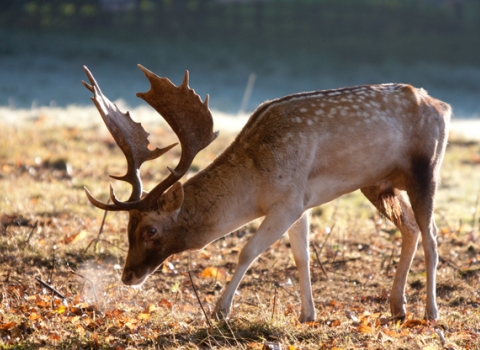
(440, 30)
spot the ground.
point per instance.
(60, 264)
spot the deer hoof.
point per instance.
(306, 317)
(220, 314)
(431, 315)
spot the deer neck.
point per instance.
(218, 200)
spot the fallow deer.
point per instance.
(294, 153)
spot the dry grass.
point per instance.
(47, 226)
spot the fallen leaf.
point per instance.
(61, 309)
(332, 303)
(143, 316)
(189, 308)
(365, 329)
(75, 238)
(414, 323)
(131, 324)
(205, 255)
(54, 336)
(34, 316)
(213, 272)
(166, 303)
(150, 308)
(334, 323)
(7, 326)
(79, 329)
(6, 168)
(395, 334)
(312, 324)
(74, 319)
(114, 313)
(42, 303)
(254, 346)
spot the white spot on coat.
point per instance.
(334, 93)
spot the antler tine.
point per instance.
(132, 139)
(185, 79)
(187, 115)
(90, 77)
(101, 205)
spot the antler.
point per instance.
(178, 106)
(129, 136)
(188, 117)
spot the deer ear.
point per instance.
(171, 200)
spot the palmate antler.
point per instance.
(181, 108)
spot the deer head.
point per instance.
(192, 122)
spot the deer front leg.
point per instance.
(299, 241)
(275, 224)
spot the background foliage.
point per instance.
(368, 30)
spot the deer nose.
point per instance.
(127, 277)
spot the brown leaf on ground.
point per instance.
(213, 272)
(75, 238)
(414, 323)
(7, 326)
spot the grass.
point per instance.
(49, 231)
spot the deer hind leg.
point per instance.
(299, 241)
(275, 224)
(421, 188)
(392, 204)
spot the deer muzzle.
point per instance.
(131, 278)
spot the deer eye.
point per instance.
(151, 231)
